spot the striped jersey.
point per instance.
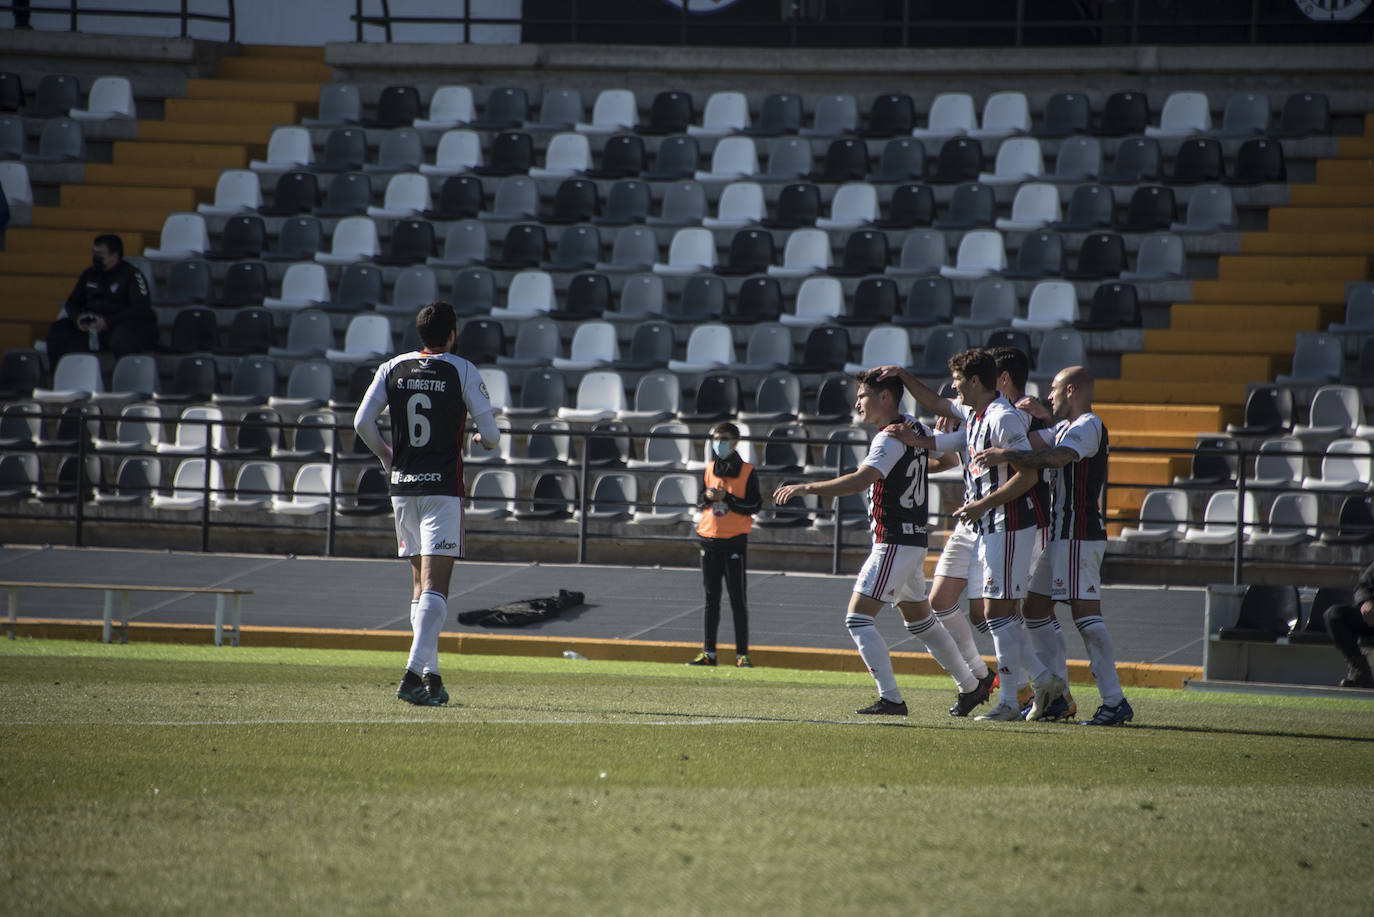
(1079, 485)
(1000, 424)
(897, 502)
(431, 396)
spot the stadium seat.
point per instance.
(367, 339)
(779, 113)
(575, 201)
(1268, 412)
(658, 397)
(777, 398)
(1292, 521)
(1267, 612)
(1355, 522)
(184, 235)
(875, 301)
(1198, 160)
(1102, 255)
(1279, 463)
(692, 250)
(560, 109)
(1066, 114)
(310, 492)
(951, 115)
(674, 501)
(676, 158)
(1318, 359)
(396, 106)
(1124, 113)
(593, 346)
(972, 204)
(1245, 114)
(1137, 159)
(1334, 412)
(255, 486)
(449, 107)
(709, 347)
(1041, 255)
(826, 349)
(1005, 114)
(1019, 159)
(717, 398)
(923, 253)
(834, 401)
(492, 495)
(855, 204)
(740, 204)
(613, 111)
(505, 107)
(846, 159)
(1219, 520)
(600, 396)
(400, 150)
(345, 150)
(1210, 209)
(1052, 304)
(865, 252)
(627, 202)
(1304, 114)
(1259, 161)
(807, 252)
(902, 159)
(725, 113)
(243, 236)
(833, 115)
(1035, 206)
(883, 347)
(733, 159)
(613, 497)
(751, 252)
(549, 443)
(11, 91)
(1114, 305)
(189, 485)
(1059, 349)
(667, 446)
(980, 253)
(929, 302)
(818, 300)
(236, 191)
(567, 155)
(61, 140)
(537, 342)
(890, 115)
(1347, 465)
(288, 148)
(510, 153)
(110, 98)
(296, 192)
(578, 249)
(1160, 257)
(1215, 462)
(789, 159)
(1184, 114)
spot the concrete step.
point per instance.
(1355, 148)
(1292, 268)
(36, 299)
(1347, 242)
(1229, 395)
(1240, 341)
(119, 220)
(219, 111)
(1147, 470)
(1265, 319)
(1369, 125)
(20, 335)
(1307, 292)
(1320, 221)
(117, 197)
(46, 241)
(205, 155)
(268, 68)
(252, 135)
(55, 264)
(1157, 418)
(1345, 172)
(1331, 195)
(306, 93)
(158, 177)
(1153, 439)
(1124, 502)
(1199, 369)
(284, 52)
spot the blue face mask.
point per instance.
(722, 448)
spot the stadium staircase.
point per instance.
(1192, 377)
(172, 166)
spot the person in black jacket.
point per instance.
(109, 308)
(1348, 623)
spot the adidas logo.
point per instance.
(1092, 589)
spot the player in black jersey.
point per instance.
(895, 477)
(431, 394)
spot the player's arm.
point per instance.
(1041, 454)
(942, 462)
(1020, 482)
(367, 420)
(940, 442)
(925, 396)
(852, 483)
(488, 434)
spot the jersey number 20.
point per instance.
(915, 471)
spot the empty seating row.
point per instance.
(59, 95)
(890, 114)
(1292, 520)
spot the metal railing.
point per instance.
(73, 10)
(835, 520)
(815, 23)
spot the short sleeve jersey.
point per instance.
(1079, 485)
(999, 425)
(430, 396)
(897, 502)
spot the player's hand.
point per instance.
(887, 372)
(477, 438)
(786, 492)
(994, 456)
(1367, 612)
(1034, 407)
(945, 424)
(713, 495)
(905, 434)
(969, 513)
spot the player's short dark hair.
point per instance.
(1014, 362)
(435, 323)
(725, 428)
(975, 363)
(112, 242)
(892, 384)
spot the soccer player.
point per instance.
(999, 510)
(894, 476)
(431, 394)
(1070, 568)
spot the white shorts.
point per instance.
(429, 525)
(1006, 558)
(1070, 570)
(959, 559)
(893, 573)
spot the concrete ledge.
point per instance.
(1142, 675)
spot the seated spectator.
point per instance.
(109, 309)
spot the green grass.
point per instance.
(165, 779)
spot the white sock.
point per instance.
(1047, 642)
(957, 625)
(873, 651)
(1102, 658)
(430, 613)
(1037, 670)
(942, 646)
(1006, 643)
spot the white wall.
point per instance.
(294, 22)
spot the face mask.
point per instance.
(98, 262)
(722, 448)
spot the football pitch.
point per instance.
(149, 779)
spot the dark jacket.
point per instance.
(117, 295)
(1364, 586)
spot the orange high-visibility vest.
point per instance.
(716, 520)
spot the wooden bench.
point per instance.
(220, 594)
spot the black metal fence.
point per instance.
(884, 23)
(77, 488)
(75, 11)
